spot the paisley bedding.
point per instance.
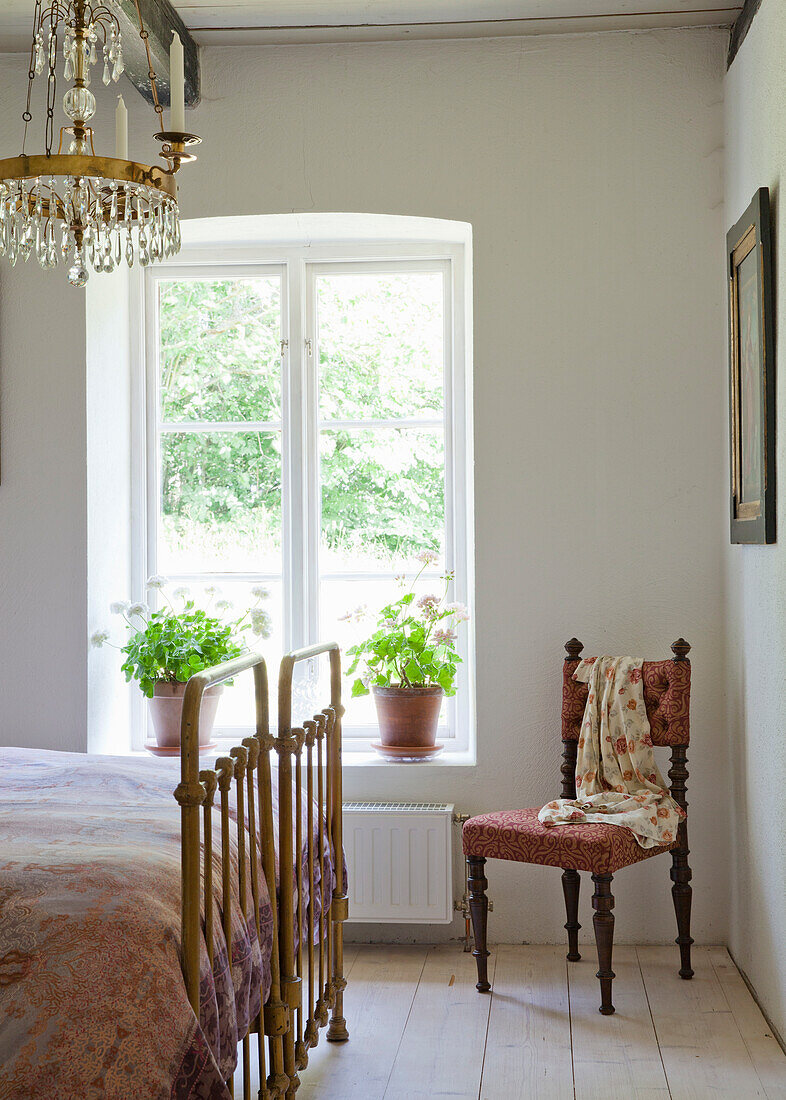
(92, 1000)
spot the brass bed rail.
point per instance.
(291, 1028)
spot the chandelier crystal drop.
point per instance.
(76, 207)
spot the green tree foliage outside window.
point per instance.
(382, 490)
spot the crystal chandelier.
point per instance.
(74, 205)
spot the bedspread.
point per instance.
(92, 1000)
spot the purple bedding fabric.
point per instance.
(92, 1000)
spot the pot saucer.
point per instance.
(407, 754)
(174, 750)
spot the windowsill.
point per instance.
(459, 758)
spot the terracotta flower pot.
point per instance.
(166, 709)
(408, 716)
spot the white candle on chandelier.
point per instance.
(121, 130)
(177, 85)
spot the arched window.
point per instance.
(308, 427)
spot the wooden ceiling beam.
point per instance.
(741, 28)
(160, 19)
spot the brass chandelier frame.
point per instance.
(97, 197)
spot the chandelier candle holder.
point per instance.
(75, 206)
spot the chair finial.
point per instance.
(573, 648)
(680, 649)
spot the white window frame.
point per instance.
(299, 264)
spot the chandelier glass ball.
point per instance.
(79, 103)
(71, 205)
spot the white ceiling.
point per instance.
(227, 21)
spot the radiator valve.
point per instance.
(462, 906)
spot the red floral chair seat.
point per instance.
(518, 835)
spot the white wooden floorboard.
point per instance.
(441, 1051)
(528, 1046)
(377, 1002)
(763, 1047)
(419, 1030)
(614, 1057)
(702, 1049)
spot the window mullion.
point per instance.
(293, 450)
(313, 487)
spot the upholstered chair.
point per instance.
(600, 849)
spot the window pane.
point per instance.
(220, 348)
(380, 345)
(236, 708)
(220, 502)
(383, 498)
(337, 597)
(310, 687)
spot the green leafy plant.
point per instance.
(172, 643)
(414, 644)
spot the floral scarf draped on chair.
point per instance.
(617, 779)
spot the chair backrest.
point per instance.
(666, 695)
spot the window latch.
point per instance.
(284, 346)
(309, 349)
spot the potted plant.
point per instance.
(165, 647)
(409, 664)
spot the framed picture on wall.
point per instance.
(752, 374)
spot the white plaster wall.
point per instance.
(756, 623)
(43, 537)
(44, 622)
(590, 169)
(43, 681)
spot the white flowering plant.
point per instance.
(170, 644)
(414, 643)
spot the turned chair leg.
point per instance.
(571, 884)
(682, 895)
(603, 921)
(681, 890)
(478, 911)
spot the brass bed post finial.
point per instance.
(251, 745)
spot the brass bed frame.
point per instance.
(290, 1026)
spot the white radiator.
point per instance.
(399, 857)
